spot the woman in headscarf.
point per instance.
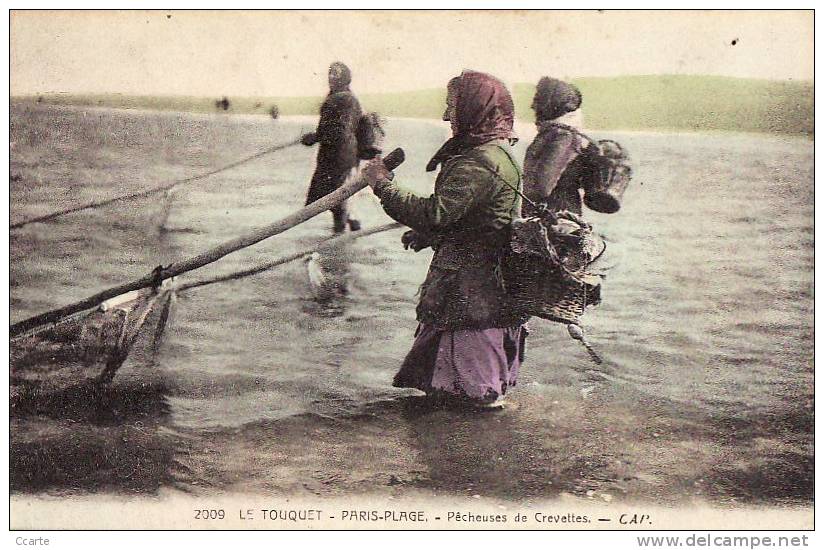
(469, 345)
(553, 170)
(338, 152)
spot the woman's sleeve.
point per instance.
(461, 184)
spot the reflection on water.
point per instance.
(99, 404)
(471, 453)
(92, 438)
(269, 385)
(328, 274)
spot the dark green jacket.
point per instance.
(467, 221)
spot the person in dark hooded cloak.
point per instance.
(553, 167)
(337, 136)
(469, 343)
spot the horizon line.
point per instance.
(246, 95)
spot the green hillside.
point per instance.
(675, 102)
(697, 103)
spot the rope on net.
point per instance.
(153, 190)
(328, 242)
(161, 273)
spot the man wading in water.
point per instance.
(469, 344)
(337, 136)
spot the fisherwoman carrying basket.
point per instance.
(562, 163)
(469, 344)
(553, 272)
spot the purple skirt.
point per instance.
(475, 364)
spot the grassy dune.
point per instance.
(674, 102)
(696, 103)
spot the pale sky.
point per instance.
(287, 53)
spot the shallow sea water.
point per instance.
(706, 327)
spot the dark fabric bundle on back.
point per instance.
(370, 135)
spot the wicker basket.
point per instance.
(546, 273)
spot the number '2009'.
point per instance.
(210, 514)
